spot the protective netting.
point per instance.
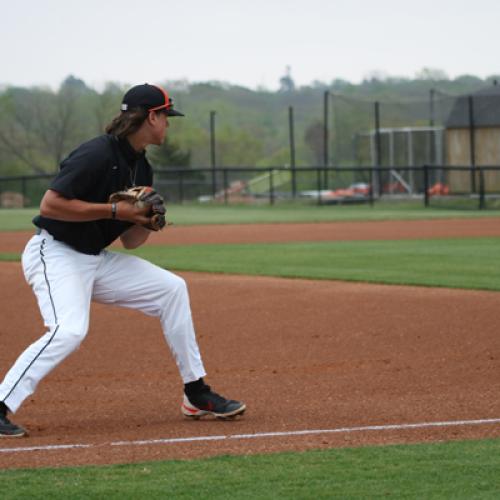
(397, 138)
(394, 134)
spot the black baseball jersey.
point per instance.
(91, 173)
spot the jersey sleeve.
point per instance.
(81, 171)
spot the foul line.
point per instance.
(192, 439)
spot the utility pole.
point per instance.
(292, 150)
(212, 152)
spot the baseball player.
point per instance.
(68, 266)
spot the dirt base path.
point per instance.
(303, 355)
(327, 231)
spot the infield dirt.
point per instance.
(302, 354)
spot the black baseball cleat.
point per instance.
(208, 402)
(9, 429)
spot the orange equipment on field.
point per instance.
(438, 189)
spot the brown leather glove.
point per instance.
(143, 196)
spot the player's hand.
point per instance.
(147, 202)
(132, 213)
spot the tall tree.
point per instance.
(107, 105)
(17, 136)
(39, 127)
(169, 154)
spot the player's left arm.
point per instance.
(134, 237)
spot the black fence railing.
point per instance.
(436, 186)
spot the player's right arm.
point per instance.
(55, 206)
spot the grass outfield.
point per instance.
(459, 470)
(452, 262)
(20, 219)
(455, 263)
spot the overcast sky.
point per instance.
(245, 42)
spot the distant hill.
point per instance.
(251, 125)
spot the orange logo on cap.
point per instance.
(167, 104)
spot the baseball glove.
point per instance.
(143, 196)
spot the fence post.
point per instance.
(292, 151)
(426, 185)
(326, 96)
(23, 189)
(371, 187)
(472, 141)
(181, 187)
(326, 135)
(482, 204)
(225, 187)
(432, 93)
(378, 144)
(212, 152)
(271, 187)
(432, 132)
(318, 184)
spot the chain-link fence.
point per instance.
(257, 185)
(444, 150)
(432, 185)
(23, 191)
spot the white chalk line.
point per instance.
(340, 430)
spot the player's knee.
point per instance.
(181, 285)
(174, 297)
(71, 338)
(177, 286)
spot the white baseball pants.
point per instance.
(66, 281)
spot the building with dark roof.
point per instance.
(486, 110)
(478, 144)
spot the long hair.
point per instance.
(127, 122)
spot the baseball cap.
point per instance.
(149, 97)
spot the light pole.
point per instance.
(212, 151)
(292, 150)
(326, 159)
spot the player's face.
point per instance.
(159, 125)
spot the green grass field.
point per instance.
(20, 219)
(458, 470)
(444, 470)
(455, 263)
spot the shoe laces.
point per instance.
(207, 391)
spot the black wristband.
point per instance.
(113, 210)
